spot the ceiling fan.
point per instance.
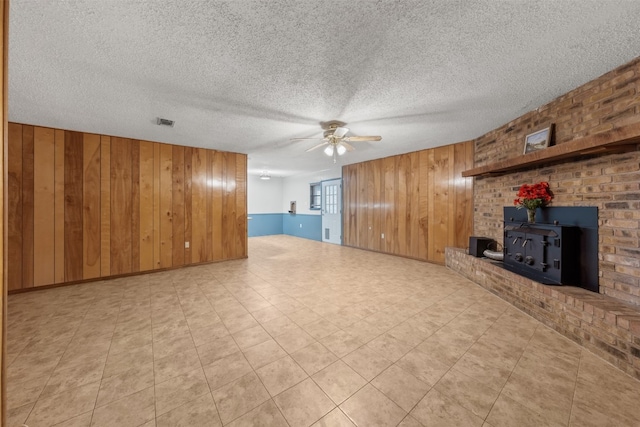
(336, 141)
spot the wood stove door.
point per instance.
(534, 254)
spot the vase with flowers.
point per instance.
(532, 197)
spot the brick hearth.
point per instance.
(606, 326)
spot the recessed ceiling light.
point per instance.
(265, 175)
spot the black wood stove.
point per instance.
(560, 249)
(542, 252)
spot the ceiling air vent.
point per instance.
(165, 122)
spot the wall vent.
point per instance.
(165, 122)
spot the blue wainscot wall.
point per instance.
(299, 225)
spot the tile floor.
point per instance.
(300, 334)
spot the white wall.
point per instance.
(264, 196)
(297, 188)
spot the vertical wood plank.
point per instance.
(73, 239)
(43, 201)
(402, 170)
(241, 205)
(120, 206)
(362, 207)
(27, 207)
(210, 208)
(199, 205)
(431, 213)
(218, 187)
(423, 208)
(229, 207)
(166, 206)
(178, 207)
(14, 206)
(187, 203)
(105, 206)
(135, 205)
(414, 207)
(59, 259)
(146, 206)
(378, 205)
(441, 201)
(353, 208)
(156, 205)
(4, 43)
(371, 208)
(389, 201)
(91, 191)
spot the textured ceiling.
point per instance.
(247, 76)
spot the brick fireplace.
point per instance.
(608, 322)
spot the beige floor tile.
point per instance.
(130, 342)
(437, 409)
(369, 407)
(483, 370)
(227, 369)
(409, 421)
(265, 415)
(304, 403)
(125, 383)
(400, 386)
(366, 362)
(314, 357)
(265, 314)
(304, 316)
(339, 381)
(280, 375)
(240, 322)
(217, 349)
(447, 345)
(239, 397)
(335, 418)
(133, 410)
(180, 390)
(171, 329)
(467, 392)
(363, 331)
(59, 407)
(341, 343)
(172, 345)
(208, 334)
(82, 420)
(423, 367)
(21, 393)
(507, 413)
(294, 340)
(389, 346)
(263, 353)
(175, 364)
(250, 337)
(320, 328)
(18, 416)
(121, 362)
(279, 326)
(199, 412)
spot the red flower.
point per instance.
(533, 196)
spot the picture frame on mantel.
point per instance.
(538, 140)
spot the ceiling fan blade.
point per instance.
(340, 132)
(316, 146)
(349, 147)
(304, 139)
(362, 138)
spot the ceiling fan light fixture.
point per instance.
(265, 176)
(341, 149)
(329, 150)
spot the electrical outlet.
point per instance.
(382, 236)
(186, 245)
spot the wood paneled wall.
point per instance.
(4, 94)
(419, 201)
(84, 206)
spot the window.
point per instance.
(315, 191)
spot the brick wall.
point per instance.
(611, 182)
